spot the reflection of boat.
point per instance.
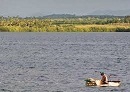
(92, 82)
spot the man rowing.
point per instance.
(104, 79)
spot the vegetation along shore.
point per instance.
(66, 23)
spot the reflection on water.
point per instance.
(59, 62)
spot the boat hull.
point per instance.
(93, 82)
(109, 84)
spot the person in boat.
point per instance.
(104, 79)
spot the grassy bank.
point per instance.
(105, 28)
(15, 24)
(67, 28)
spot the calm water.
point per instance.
(60, 62)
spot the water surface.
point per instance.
(60, 62)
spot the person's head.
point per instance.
(102, 73)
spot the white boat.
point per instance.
(110, 83)
(92, 82)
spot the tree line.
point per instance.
(66, 24)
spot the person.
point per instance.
(104, 79)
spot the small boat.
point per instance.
(92, 82)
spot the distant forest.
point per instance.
(66, 23)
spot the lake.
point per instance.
(60, 62)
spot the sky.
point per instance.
(28, 8)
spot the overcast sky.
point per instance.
(44, 7)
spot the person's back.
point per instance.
(104, 79)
